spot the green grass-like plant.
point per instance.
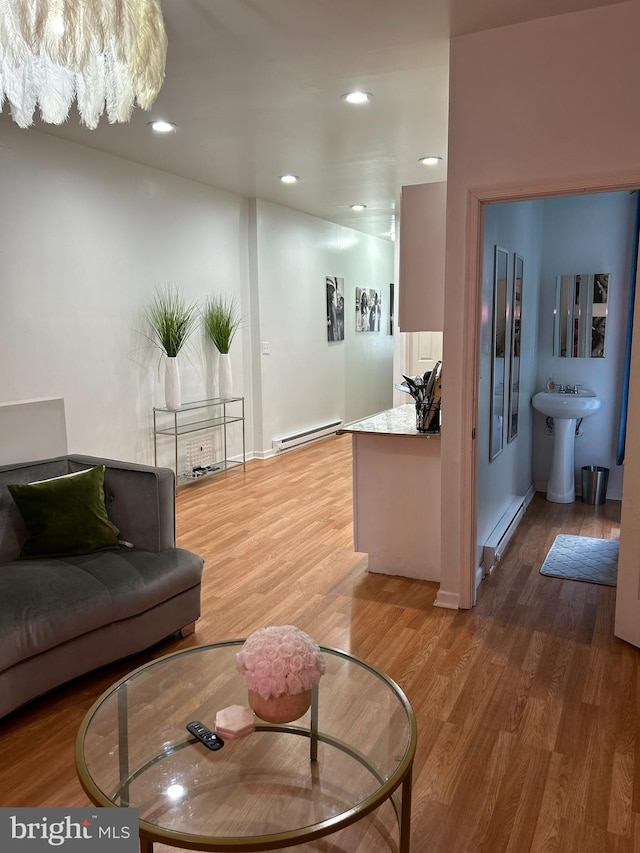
(171, 318)
(221, 320)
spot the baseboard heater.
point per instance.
(291, 441)
(501, 535)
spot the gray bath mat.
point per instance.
(581, 558)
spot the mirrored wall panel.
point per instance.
(580, 315)
(515, 313)
(499, 343)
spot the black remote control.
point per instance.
(206, 736)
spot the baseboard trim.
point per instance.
(612, 494)
(449, 600)
(264, 454)
(503, 532)
(530, 495)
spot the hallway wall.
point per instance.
(516, 227)
(306, 380)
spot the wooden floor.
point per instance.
(527, 706)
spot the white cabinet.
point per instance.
(423, 215)
(396, 494)
(424, 349)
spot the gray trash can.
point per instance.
(595, 479)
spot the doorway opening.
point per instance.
(477, 202)
(541, 242)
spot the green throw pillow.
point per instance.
(66, 515)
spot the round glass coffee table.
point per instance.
(279, 786)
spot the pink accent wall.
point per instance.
(548, 103)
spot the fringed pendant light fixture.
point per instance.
(106, 54)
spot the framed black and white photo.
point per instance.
(335, 308)
(391, 301)
(368, 309)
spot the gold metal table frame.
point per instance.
(149, 833)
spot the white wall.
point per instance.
(32, 429)
(87, 238)
(306, 380)
(522, 105)
(516, 227)
(586, 234)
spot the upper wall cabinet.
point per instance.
(423, 214)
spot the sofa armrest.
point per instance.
(140, 501)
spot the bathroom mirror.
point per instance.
(580, 315)
(516, 327)
(498, 352)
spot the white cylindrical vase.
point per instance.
(225, 379)
(172, 396)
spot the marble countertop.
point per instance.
(398, 421)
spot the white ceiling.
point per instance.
(255, 88)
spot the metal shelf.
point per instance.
(220, 468)
(178, 428)
(196, 426)
(201, 404)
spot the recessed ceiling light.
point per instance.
(429, 161)
(358, 207)
(162, 126)
(289, 179)
(357, 97)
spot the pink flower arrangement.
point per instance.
(280, 660)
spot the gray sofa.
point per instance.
(62, 617)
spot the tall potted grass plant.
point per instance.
(171, 319)
(221, 318)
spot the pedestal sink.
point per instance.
(564, 408)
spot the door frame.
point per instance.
(477, 198)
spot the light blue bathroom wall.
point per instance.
(585, 234)
(516, 227)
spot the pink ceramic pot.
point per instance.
(280, 709)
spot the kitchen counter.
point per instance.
(396, 494)
(398, 421)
